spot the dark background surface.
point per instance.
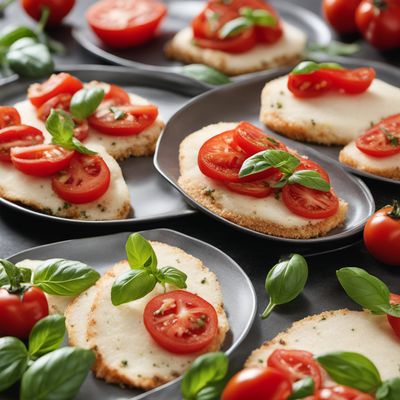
(19, 232)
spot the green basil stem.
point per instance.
(395, 213)
(5, 4)
(43, 19)
(268, 310)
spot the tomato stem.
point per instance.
(43, 19)
(268, 310)
(395, 212)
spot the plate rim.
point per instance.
(245, 279)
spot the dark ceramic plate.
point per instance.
(241, 101)
(151, 197)
(151, 57)
(240, 304)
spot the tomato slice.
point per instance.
(18, 135)
(181, 322)
(394, 321)
(117, 95)
(383, 139)
(308, 164)
(341, 393)
(39, 93)
(253, 140)
(59, 102)
(9, 116)
(135, 119)
(259, 189)
(125, 23)
(309, 85)
(298, 364)
(41, 160)
(86, 179)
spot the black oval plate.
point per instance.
(151, 57)
(240, 304)
(151, 197)
(241, 101)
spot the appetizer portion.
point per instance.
(123, 123)
(238, 37)
(326, 103)
(377, 151)
(240, 173)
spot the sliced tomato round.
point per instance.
(308, 164)
(310, 203)
(40, 160)
(18, 135)
(298, 364)
(134, 119)
(181, 322)
(86, 179)
(9, 116)
(259, 189)
(341, 393)
(125, 23)
(59, 102)
(117, 95)
(394, 321)
(253, 140)
(309, 85)
(39, 93)
(383, 139)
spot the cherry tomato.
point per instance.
(9, 116)
(135, 119)
(117, 95)
(125, 23)
(379, 22)
(382, 234)
(41, 160)
(383, 139)
(297, 364)
(39, 93)
(253, 140)
(86, 179)
(394, 321)
(58, 9)
(258, 384)
(181, 322)
(20, 312)
(18, 135)
(341, 14)
(341, 393)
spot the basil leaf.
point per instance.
(351, 369)
(206, 74)
(173, 276)
(10, 34)
(285, 281)
(335, 48)
(390, 390)
(132, 285)
(85, 102)
(206, 370)
(140, 253)
(367, 291)
(310, 179)
(57, 375)
(307, 67)
(13, 273)
(64, 277)
(118, 113)
(13, 361)
(258, 16)
(302, 388)
(3, 277)
(61, 127)
(47, 335)
(211, 392)
(234, 27)
(29, 58)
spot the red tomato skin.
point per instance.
(19, 314)
(380, 26)
(382, 237)
(130, 36)
(117, 95)
(59, 9)
(341, 14)
(9, 116)
(394, 321)
(258, 384)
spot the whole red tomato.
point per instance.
(20, 312)
(58, 9)
(393, 321)
(379, 22)
(382, 234)
(341, 14)
(258, 384)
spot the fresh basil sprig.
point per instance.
(389, 390)
(367, 290)
(334, 48)
(287, 164)
(205, 378)
(285, 281)
(351, 369)
(307, 67)
(302, 388)
(85, 102)
(206, 74)
(144, 273)
(61, 127)
(12, 275)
